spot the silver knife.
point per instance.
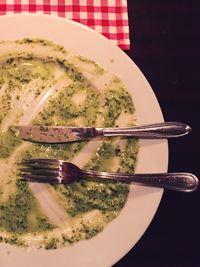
(62, 134)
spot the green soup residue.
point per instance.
(41, 84)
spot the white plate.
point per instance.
(121, 234)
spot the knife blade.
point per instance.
(57, 134)
(62, 134)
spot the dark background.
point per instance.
(165, 44)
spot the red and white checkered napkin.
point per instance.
(109, 17)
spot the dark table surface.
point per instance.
(165, 42)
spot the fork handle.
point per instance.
(184, 182)
(157, 130)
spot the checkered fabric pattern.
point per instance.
(108, 17)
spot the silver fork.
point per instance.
(62, 172)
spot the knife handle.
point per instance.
(151, 131)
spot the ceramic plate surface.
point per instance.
(122, 233)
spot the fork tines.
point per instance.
(41, 170)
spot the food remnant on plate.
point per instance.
(43, 84)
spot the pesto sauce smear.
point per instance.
(43, 84)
